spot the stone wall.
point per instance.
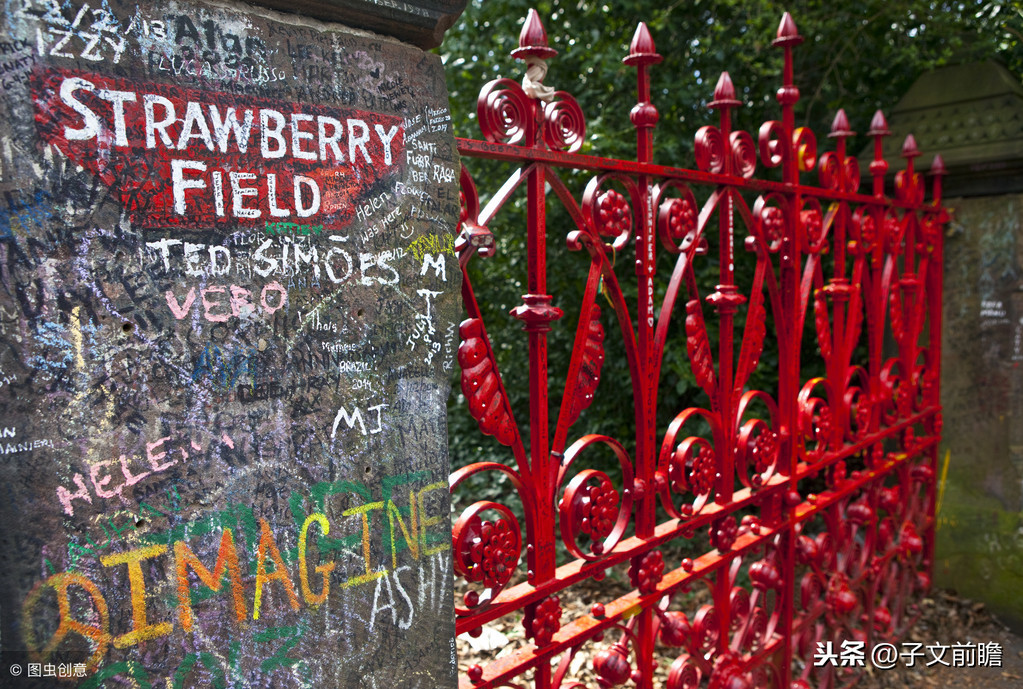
(980, 503)
(227, 317)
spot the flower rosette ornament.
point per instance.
(607, 213)
(646, 572)
(700, 466)
(690, 469)
(836, 475)
(759, 449)
(486, 553)
(813, 232)
(591, 506)
(601, 509)
(773, 222)
(770, 218)
(757, 445)
(678, 220)
(723, 533)
(543, 620)
(893, 233)
(613, 213)
(863, 235)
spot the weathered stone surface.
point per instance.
(980, 514)
(227, 313)
(420, 22)
(972, 115)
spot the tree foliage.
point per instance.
(857, 56)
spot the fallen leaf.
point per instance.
(489, 640)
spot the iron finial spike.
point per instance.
(533, 39)
(788, 34)
(787, 27)
(879, 125)
(878, 166)
(840, 125)
(909, 147)
(724, 93)
(788, 94)
(642, 42)
(937, 172)
(724, 89)
(533, 35)
(642, 50)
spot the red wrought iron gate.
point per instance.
(817, 496)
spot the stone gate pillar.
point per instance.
(228, 308)
(973, 115)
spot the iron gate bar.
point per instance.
(841, 565)
(487, 150)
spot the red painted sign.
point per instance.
(188, 158)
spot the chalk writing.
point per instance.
(355, 417)
(432, 244)
(159, 456)
(310, 585)
(217, 235)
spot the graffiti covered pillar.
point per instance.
(227, 316)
